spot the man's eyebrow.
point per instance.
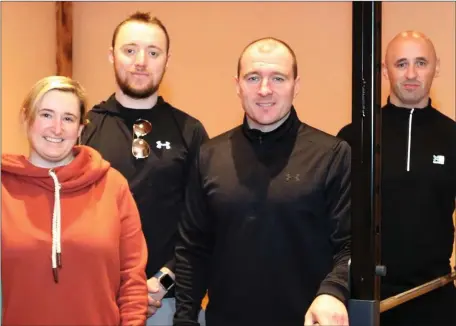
(400, 60)
(149, 46)
(255, 72)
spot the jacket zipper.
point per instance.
(409, 139)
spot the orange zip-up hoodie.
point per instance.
(102, 278)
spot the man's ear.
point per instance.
(297, 86)
(437, 68)
(111, 55)
(168, 56)
(385, 71)
(238, 87)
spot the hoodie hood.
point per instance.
(125, 116)
(113, 107)
(82, 172)
(87, 168)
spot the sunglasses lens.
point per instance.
(140, 148)
(142, 128)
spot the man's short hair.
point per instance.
(290, 50)
(141, 17)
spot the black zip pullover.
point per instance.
(158, 182)
(418, 195)
(267, 226)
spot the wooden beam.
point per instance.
(64, 27)
(403, 297)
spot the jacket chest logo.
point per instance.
(166, 145)
(292, 177)
(438, 159)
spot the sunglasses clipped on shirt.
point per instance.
(140, 148)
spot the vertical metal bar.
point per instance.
(366, 165)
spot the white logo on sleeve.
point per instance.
(295, 177)
(438, 159)
(166, 145)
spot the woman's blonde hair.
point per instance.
(47, 84)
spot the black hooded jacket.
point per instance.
(157, 182)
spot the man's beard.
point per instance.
(134, 93)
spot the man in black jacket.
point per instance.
(151, 143)
(267, 228)
(418, 185)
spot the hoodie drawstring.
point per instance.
(409, 139)
(56, 229)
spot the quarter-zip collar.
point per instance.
(291, 124)
(414, 117)
(400, 114)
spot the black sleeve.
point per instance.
(338, 201)
(346, 133)
(193, 251)
(199, 136)
(89, 129)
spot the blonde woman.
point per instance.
(73, 252)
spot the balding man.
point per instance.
(418, 184)
(267, 229)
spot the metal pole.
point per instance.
(365, 266)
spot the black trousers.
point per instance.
(437, 307)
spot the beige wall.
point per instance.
(28, 54)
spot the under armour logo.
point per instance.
(289, 177)
(438, 159)
(167, 144)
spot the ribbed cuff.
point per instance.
(336, 290)
(171, 265)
